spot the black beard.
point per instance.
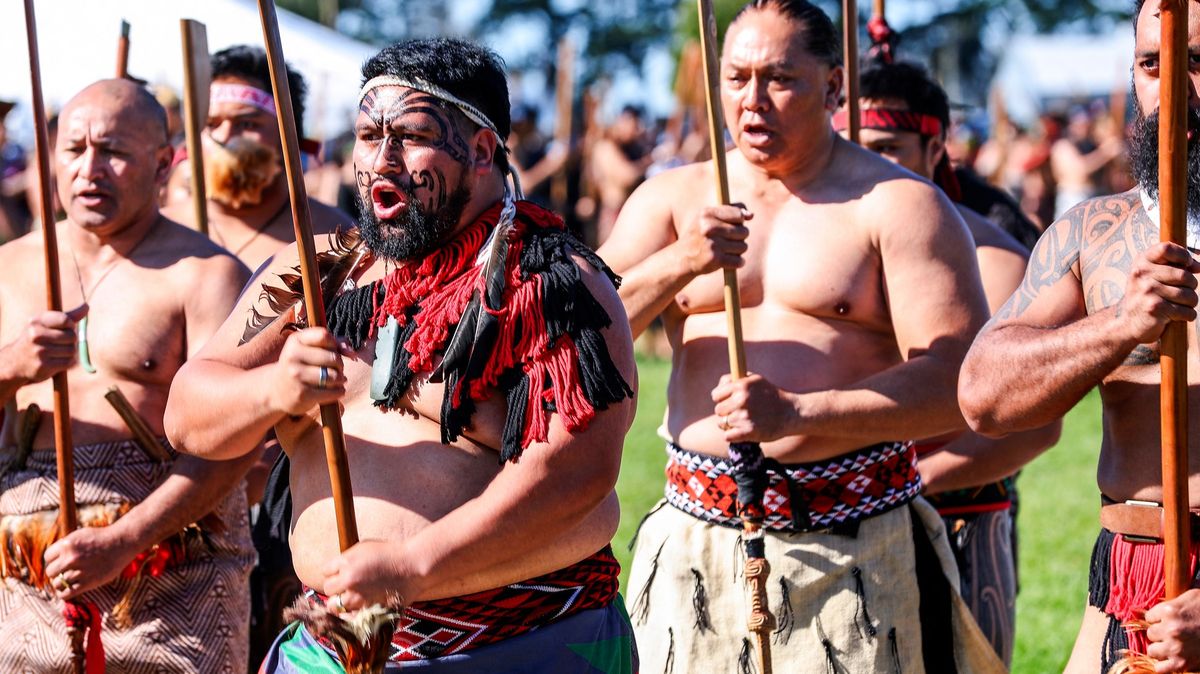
(1143, 158)
(420, 230)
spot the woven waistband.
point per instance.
(804, 497)
(432, 629)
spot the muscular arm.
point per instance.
(1042, 352)
(658, 256)
(936, 303)
(972, 459)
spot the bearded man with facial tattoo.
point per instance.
(484, 367)
(1099, 291)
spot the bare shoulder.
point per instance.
(987, 235)
(22, 250)
(191, 249)
(326, 218)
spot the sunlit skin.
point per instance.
(435, 520)
(1101, 275)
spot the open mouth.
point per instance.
(91, 196)
(756, 133)
(387, 200)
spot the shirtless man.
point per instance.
(968, 478)
(618, 163)
(153, 292)
(252, 216)
(1076, 161)
(860, 296)
(447, 529)
(1099, 291)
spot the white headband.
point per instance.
(473, 113)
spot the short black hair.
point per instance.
(250, 64)
(466, 69)
(906, 82)
(816, 29)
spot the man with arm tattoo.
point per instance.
(1099, 291)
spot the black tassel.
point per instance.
(700, 602)
(831, 663)
(349, 314)
(1101, 566)
(895, 650)
(669, 666)
(861, 609)
(739, 558)
(602, 381)
(787, 615)
(1116, 642)
(458, 348)
(746, 658)
(641, 605)
(517, 395)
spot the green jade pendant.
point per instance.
(385, 357)
(85, 355)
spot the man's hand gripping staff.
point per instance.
(720, 242)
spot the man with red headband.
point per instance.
(859, 294)
(248, 208)
(968, 478)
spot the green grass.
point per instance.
(1057, 521)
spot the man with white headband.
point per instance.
(481, 333)
(248, 208)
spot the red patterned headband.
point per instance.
(223, 92)
(891, 120)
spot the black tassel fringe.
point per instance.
(787, 615)
(641, 605)
(861, 609)
(700, 603)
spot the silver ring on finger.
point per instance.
(323, 378)
(336, 602)
(61, 583)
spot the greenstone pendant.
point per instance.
(85, 355)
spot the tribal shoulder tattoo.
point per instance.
(1098, 241)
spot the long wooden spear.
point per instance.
(197, 77)
(760, 622)
(850, 59)
(67, 520)
(331, 420)
(1172, 193)
(123, 51)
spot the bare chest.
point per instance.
(811, 261)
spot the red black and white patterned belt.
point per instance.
(799, 497)
(432, 629)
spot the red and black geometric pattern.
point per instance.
(431, 629)
(840, 490)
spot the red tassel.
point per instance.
(83, 616)
(1137, 583)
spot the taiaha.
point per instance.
(1172, 195)
(197, 77)
(123, 51)
(747, 457)
(363, 641)
(1172, 172)
(850, 60)
(82, 618)
(564, 100)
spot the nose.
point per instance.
(755, 97)
(91, 164)
(388, 157)
(221, 132)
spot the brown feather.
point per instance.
(345, 260)
(362, 639)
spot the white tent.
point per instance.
(78, 45)
(1037, 67)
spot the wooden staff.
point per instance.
(197, 77)
(1172, 156)
(850, 58)
(878, 7)
(123, 51)
(331, 420)
(564, 98)
(63, 449)
(761, 622)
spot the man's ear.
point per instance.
(935, 148)
(484, 146)
(833, 88)
(162, 171)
